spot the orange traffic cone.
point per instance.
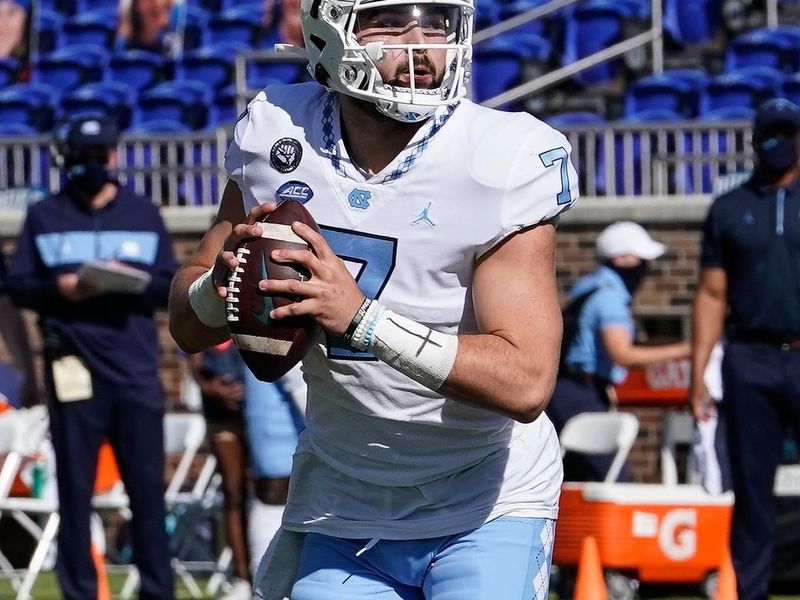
(726, 578)
(590, 584)
(103, 592)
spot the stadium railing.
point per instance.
(613, 159)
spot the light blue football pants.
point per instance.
(506, 559)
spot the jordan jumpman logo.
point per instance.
(423, 217)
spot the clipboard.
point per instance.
(113, 277)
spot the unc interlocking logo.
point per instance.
(286, 154)
(359, 199)
(424, 217)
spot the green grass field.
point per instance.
(46, 587)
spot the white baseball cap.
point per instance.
(627, 237)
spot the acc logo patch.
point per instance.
(295, 190)
(285, 155)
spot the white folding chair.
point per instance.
(27, 432)
(677, 429)
(9, 425)
(601, 433)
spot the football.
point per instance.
(269, 347)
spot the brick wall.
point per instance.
(666, 294)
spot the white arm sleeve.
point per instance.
(423, 354)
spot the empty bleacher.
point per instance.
(667, 115)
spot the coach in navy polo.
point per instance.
(101, 348)
(750, 290)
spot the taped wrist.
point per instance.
(205, 302)
(423, 354)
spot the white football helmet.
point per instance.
(339, 62)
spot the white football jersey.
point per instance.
(383, 456)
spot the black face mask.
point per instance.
(776, 155)
(87, 177)
(632, 277)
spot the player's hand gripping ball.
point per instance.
(269, 347)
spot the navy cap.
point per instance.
(777, 110)
(89, 131)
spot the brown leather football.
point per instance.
(269, 347)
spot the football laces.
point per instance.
(232, 297)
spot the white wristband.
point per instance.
(423, 354)
(205, 301)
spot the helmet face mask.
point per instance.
(408, 58)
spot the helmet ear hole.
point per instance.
(317, 41)
(321, 75)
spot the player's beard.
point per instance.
(422, 63)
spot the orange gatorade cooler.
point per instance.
(653, 533)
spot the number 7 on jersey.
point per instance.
(549, 159)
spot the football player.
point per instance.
(428, 468)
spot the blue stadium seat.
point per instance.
(137, 68)
(535, 48)
(487, 13)
(653, 115)
(261, 74)
(734, 89)
(196, 24)
(221, 5)
(769, 77)
(55, 5)
(71, 67)
(159, 126)
(496, 67)
(16, 129)
(579, 117)
(225, 103)
(730, 113)
(185, 101)
(759, 48)
(240, 24)
(50, 23)
(211, 65)
(791, 35)
(639, 9)
(692, 22)
(594, 26)
(94, 27)
(107, 5)
(517, 7)
(659, 91)
(31, 104)
(791, 88)
(9, 71)
(113, 98)
(696, 80)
